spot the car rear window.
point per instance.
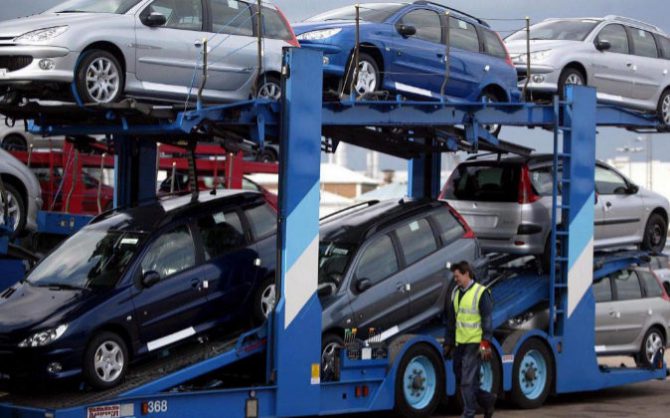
(232, 17)
(463, 35)
(651, 284)
(485, 183)
(416, 240)
(493, 45)
(274, 26)
(644, 43)
(448, 226)
(627, 285)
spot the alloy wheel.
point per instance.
(653, 343)
(108, 361)
(493, 129)
(328, 356)
(575, 79)
(103, 80)
(367, 78)
(268, 300)
(665, 110)
(269, 90)
(13, 210)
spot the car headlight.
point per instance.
(42, 338)
(318, 35)
(536, 56)
(41, 35)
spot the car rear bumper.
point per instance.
(517, 244)
(21, 65)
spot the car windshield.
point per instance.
(369, 12)
(94, 258)
(95, 6)
(334, 258)
(558, 30)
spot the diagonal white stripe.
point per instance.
(580, 277)
(300, 281)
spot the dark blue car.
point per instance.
(403, 47)
(138, 280)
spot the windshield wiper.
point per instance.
(72, 11)
(60, 286)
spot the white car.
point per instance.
(24, 195)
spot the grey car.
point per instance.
(632, 315)
(383, 266)
(628, 61)
(109, 49)
(508, 205)
(24, 195)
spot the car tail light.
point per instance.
(294, 40)
(469, 233)
(526, 192)
(508, 58)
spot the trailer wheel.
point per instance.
(419, 383)
(532, 375)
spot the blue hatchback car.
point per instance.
(138, 280)
(403, 48)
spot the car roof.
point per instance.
(156, 213)
(459, 13)
(356, 226)
(513, 159)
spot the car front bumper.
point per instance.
(34, 363)
(543, 78)
(62, 60)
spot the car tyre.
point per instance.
(664, 109)
(265, 300)
(653, 341)
(15, 142)
(105, 361)
(570, 76)
(655, 234)
(269, 87)
(17, 209)
(331, 345)
(99, 77)
(369, 77)
(532, 375)
(489, 97)
(268, 155)
(419, 385)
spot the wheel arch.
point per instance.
(579, 67)
(119, 330)
(660, 211)
(18, 184)
(375, 52)
(112, 49)
(498, 91)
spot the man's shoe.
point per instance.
(488, 412)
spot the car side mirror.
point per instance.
(633, 189)
(362, 285)
(154, 19)
(150, 279)
(406, 31)
(603, 45)
(596, 198)
(448, 265)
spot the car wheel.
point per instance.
(106, 361)
(265, 300)
(664, 108)
(268, 155)
(16, 210)
(655, 234)
(489, 97)
(99, 78)
(331, 345)
(369, 77)
(269, 87)
(570, 76)
(532, 375)
(652, 342)
(14, 142)
(420, 381)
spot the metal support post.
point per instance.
(424, 175)
(296, 343)
(134, 171)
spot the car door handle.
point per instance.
(617, 315)
(487, 68)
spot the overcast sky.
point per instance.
(653, 11)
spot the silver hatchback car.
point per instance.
(106, 49)
(508, 205)
(628, 61)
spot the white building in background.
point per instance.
(654, 176)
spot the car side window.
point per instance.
(274, 25)
(644, 44)
(608, 182)
(651, 285)
(627, 285)
(180, 14)
(493, 44)
(602, 290)
(171, 253)
(616, 35)
(416, 240)
(427, 23)
(378, 261)
(263, 221)
(665, 46)
(542, 180)
(232, 17)
(448, 227)
(221, 232)
(463, 35)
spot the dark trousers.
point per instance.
(466, 366)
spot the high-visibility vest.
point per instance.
(468, 319)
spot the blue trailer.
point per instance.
(413, 375)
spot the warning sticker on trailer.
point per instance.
(316, 374)
(107, 411)
(508, 358)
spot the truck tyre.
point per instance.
(490, 379)
(532, 375)
(420, 382)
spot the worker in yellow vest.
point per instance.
(468, 337)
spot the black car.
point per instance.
(135, 281)
(384, 266)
